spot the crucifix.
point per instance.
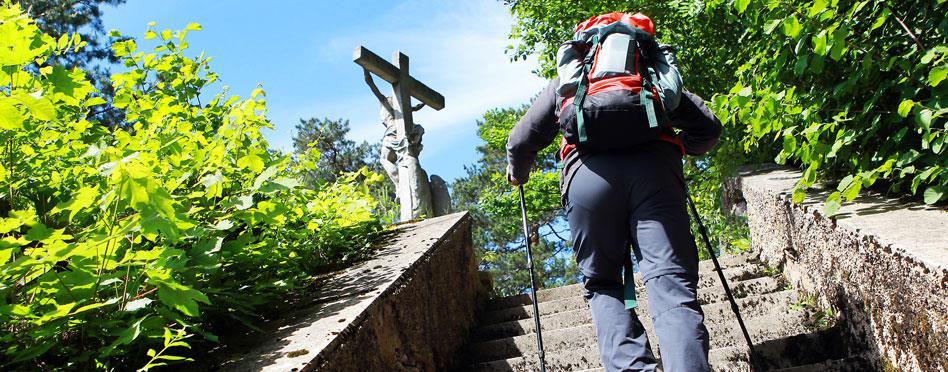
(401, 143)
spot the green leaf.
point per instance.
(850, 187)
(800, 66)
(95, 101)
(817, 7)
(265, 176)
(138, 304)
(279, 184)
(90, 307)
(832, 204)
(124, 47)
(906, 107)
(809, 176)
(798, 195)
(41, 108)
(937, 74)
(18, 311)
(880, 20)
(252, 162)
(193, 26)
(181, 297)
(63, 41)
(923, 118)
(38, 232)
(771, 26)
(82, 199)
(934, 194)
(10, 116)
(741, 5)
(907, 157)
(819, 43)
(839, 43)
(126, 337)
(792, 26)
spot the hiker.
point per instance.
(622, 185)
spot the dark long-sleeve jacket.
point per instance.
(700, 129)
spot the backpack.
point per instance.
(617, 85)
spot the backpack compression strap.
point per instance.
(648, 81)
(581, 89)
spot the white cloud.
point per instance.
(456, 48)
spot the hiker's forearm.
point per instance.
(535, 131)
(700, 128)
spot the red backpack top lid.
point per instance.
(637, 20)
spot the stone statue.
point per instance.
(398, 154)
(401, 142)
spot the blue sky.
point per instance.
(301, 52)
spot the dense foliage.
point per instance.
(852, 91)
(337, 154)
(117, 244)
(324, 142)
(848, 90)
(494, 204)
(64, 17)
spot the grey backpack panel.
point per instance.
(569, 67)
(661, 61)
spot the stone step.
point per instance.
(588, 359)
(569, 297)
(580, 316)
(551, 294)
(526, 312)
(810, 349)
(766, 323)
(718, 310)
(857, 363)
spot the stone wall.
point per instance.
(882, 263)
(408, 309)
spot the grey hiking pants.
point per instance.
(613, 200)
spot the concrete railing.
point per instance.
(409, 308)
(882, 263)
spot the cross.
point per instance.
(403, 85)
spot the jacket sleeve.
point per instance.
(700, 129)
(534, 132)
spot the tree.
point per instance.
(324, 142)
(337, 154)
(65, 17)
(498, 234)
(704, 39)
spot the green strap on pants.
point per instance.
(628, 287)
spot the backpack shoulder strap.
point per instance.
(582, 88)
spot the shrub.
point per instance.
(120, 243)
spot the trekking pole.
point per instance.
(533, 284)
(727, 289)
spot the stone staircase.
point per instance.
(788, 332)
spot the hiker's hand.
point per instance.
(511, 179)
